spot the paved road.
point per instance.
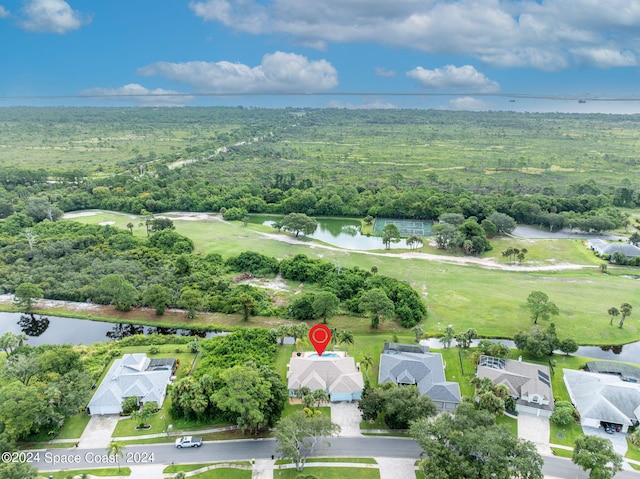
(262, 448)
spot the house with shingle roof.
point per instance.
(603, 398)
(528, 383)
(406, 364)
(338, 376)
(132, 375)
(602, 247)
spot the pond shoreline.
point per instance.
(94, 312)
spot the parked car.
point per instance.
(188, 441)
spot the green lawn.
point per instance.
(74, 426)
(557, 451)
(497, 297)
(112, 471)
(184, 468)
(510, 423)
(329, 473)
(224, 473)
(633, 451)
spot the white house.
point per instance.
(407, 364)
(528, 383)
(338, 376)
(133, 375)
(603, 398)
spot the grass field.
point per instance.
(329, 473)
(100, 472)
(490, 300)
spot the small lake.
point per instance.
(59, 330)
(341, 232)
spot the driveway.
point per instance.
(618, 439)
(535, 429)
(99, 431)
(348, 417)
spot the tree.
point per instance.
(130, 227)
(116, 448)
(26, 295)
(444, 235)
(613, 312)
(365, 363)
(634, 239)
(449, 335)
(376, 303)
(596, 455)
(21, 406)
(346, 337)
(243, 302)
(159, 224)
(41, 209)
(539, 342)
(301, 307)
(563, 413)
(470, 445)
(625, 312)
(115, 289)
(10, 341)
(297, 436)
(505, 224)
(299, 223)
(246, 393)
(142, 416)
(390, 234)
(325, 305)
(455, 219)
(190, 299)
(31, 237)
(158, 297)
(464, 339)
(18, 470)
(568, 346)
(418, 332)
(414, 242)
(540, 307)
(403, 405)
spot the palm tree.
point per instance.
(346, 338)
(418, 331)
(130, 226)
(116, 448)
(366, 363)
(613, 312)
(625, 310)
(449, 334)
(334, 336)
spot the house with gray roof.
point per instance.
(603, 247)
(337, 375)
(132, 375)
(603, 398)
(405, 364)
(528, 383)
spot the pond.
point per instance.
(341, 232)
(628, 352)
(59, 330)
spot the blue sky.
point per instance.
(526, 55)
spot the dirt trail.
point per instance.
(487, 263)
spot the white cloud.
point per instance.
(4, 13)
(452, 78)
(383, 72)
(468, 103)
(51, 16)
(547, 35)
(605, 57)
(140, 95)
(279, 72)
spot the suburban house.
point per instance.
(406, 364)
(529, 384)
(603, 398)
(132, 375)
(337, 375)
(602, 247)
(626, 372)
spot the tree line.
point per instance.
(106, 265)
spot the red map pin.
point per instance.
(320, 337)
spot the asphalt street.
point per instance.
(214, 451)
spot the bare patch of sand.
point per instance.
(106, 223)
(79, 214)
